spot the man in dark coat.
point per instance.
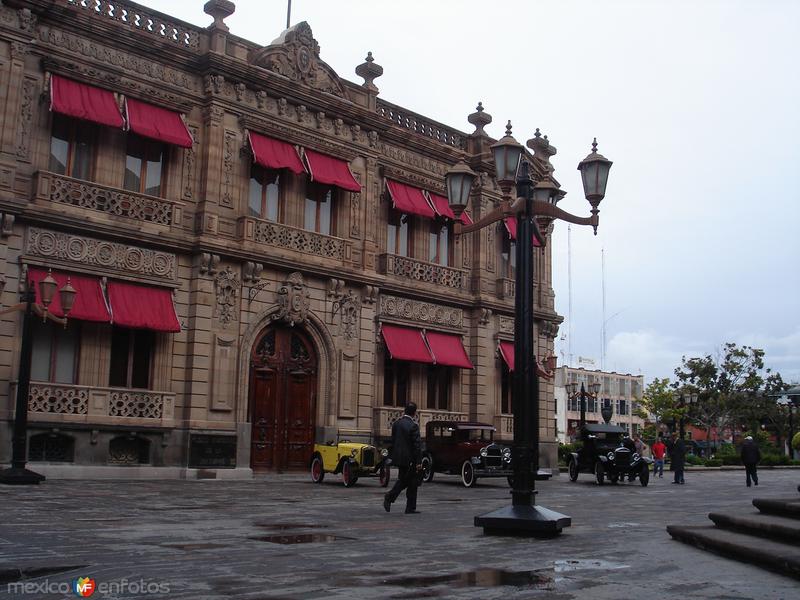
(750, 457)
(406, 455)
(677, 457)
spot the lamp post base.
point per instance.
(534, 521)
(20, 476)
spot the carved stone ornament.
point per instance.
(420, 312)
(506, 325)
(226, 286)
(349, 307)
(293, 300)
(209, 263)
(295, 55)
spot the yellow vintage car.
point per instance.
(353, 459)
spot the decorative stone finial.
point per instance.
(370, 71)
(594, 146)
(220, 10)
(542, 149)
(479, 119)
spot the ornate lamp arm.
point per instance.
(540, 209)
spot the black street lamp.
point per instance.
(790, 399)
(573, 393)
(18, 474)
(534, 202)
(683, 402)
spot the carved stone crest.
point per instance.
(349, 308)
(293, 300)
(226, 286)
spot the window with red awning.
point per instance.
(142, 307)
(81, 101)
(507, 352)
(442, 208)
(409, 199)
(405, 343)
(332, 171)
(448, 350)
(90, 304)
(157, 123)
(274, 154)
(511, 227)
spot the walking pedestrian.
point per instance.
(638, 444)
(677, 457)
(751, 455)
(406, 455)
(659, 450)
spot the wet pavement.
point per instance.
(283, 537)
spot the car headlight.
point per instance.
(506, 451)
(484, 452)
(384, 453)
(610, 456)
(353, 452)
(636, 456)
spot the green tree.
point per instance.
(658, 402)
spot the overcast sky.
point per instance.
(696, 102)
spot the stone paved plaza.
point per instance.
(285, 537)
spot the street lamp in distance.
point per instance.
(573, 393)
(535, 203)
(18, 474)
(684, 401)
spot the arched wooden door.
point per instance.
(283, 384)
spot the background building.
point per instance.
(262, 249)
(621, 391)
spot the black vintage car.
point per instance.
(609, 455)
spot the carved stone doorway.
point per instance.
(283, 385)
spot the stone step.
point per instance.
(770, 526)
(776, 556)
(786, 507)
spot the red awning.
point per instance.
(274, 154)
(466, 219)
(90, 305)
(442, 208)
(142, 307)
(409, 199)
(83, 101)
(448, 350)
(507, 352)
(330, 170)
(405, 343)
(157, 123)
(511, 227)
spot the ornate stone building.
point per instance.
(261, 248)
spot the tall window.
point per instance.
(398, 235)
(439, 243)
(623, 407)
(438, 387)
(506, 379)
(72, 147)
(591, 404)
(55, 352)
(508, 256)
(319, 210)
(265, 193)
(131, 357)
(144, 165)
(396, 376)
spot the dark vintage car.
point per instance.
(609, 455)
(466, 449)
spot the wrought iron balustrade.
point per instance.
(418, 270)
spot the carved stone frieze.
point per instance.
(293, 238)
(209, 263)
(27, 20)
(420, 312)
(230, 156)
(505, 325)
(18, 50)
(370, 295)
(226, 287)
(348, 306)
(70, 248)
(25, 118)
(432, 184)
(212, 84)
(427, 272)
(293, 300)
(295, 55)
(189, 165)
(303, 137)
(548, 329)
(414, 159)
(251, 272)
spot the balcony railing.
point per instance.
(86, 404)
(420, 125)
(295, 239)
(506, 288)
(505, 427)
(63, 190)
(418, 270)
(385, 416)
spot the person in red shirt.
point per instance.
(659, 450)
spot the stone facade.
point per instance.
(235, 275)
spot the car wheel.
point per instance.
(317, 469)
(348, 474)
(385, 475)
(644, 476)
(468, 474)
(599, 472)
(427, 469)
(573, 470)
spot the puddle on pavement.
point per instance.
(622, 525)
(289, 526)
(569, 565)
(301, 538)
(449, 500)
(193, 545)
(479, 578)
(10, 575)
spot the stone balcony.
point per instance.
(75, 196)
(426, 272)
(384, 416)
(67, 403)
(295, 239)
(505, 427)
(506, 288)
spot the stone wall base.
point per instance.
(87, 472)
